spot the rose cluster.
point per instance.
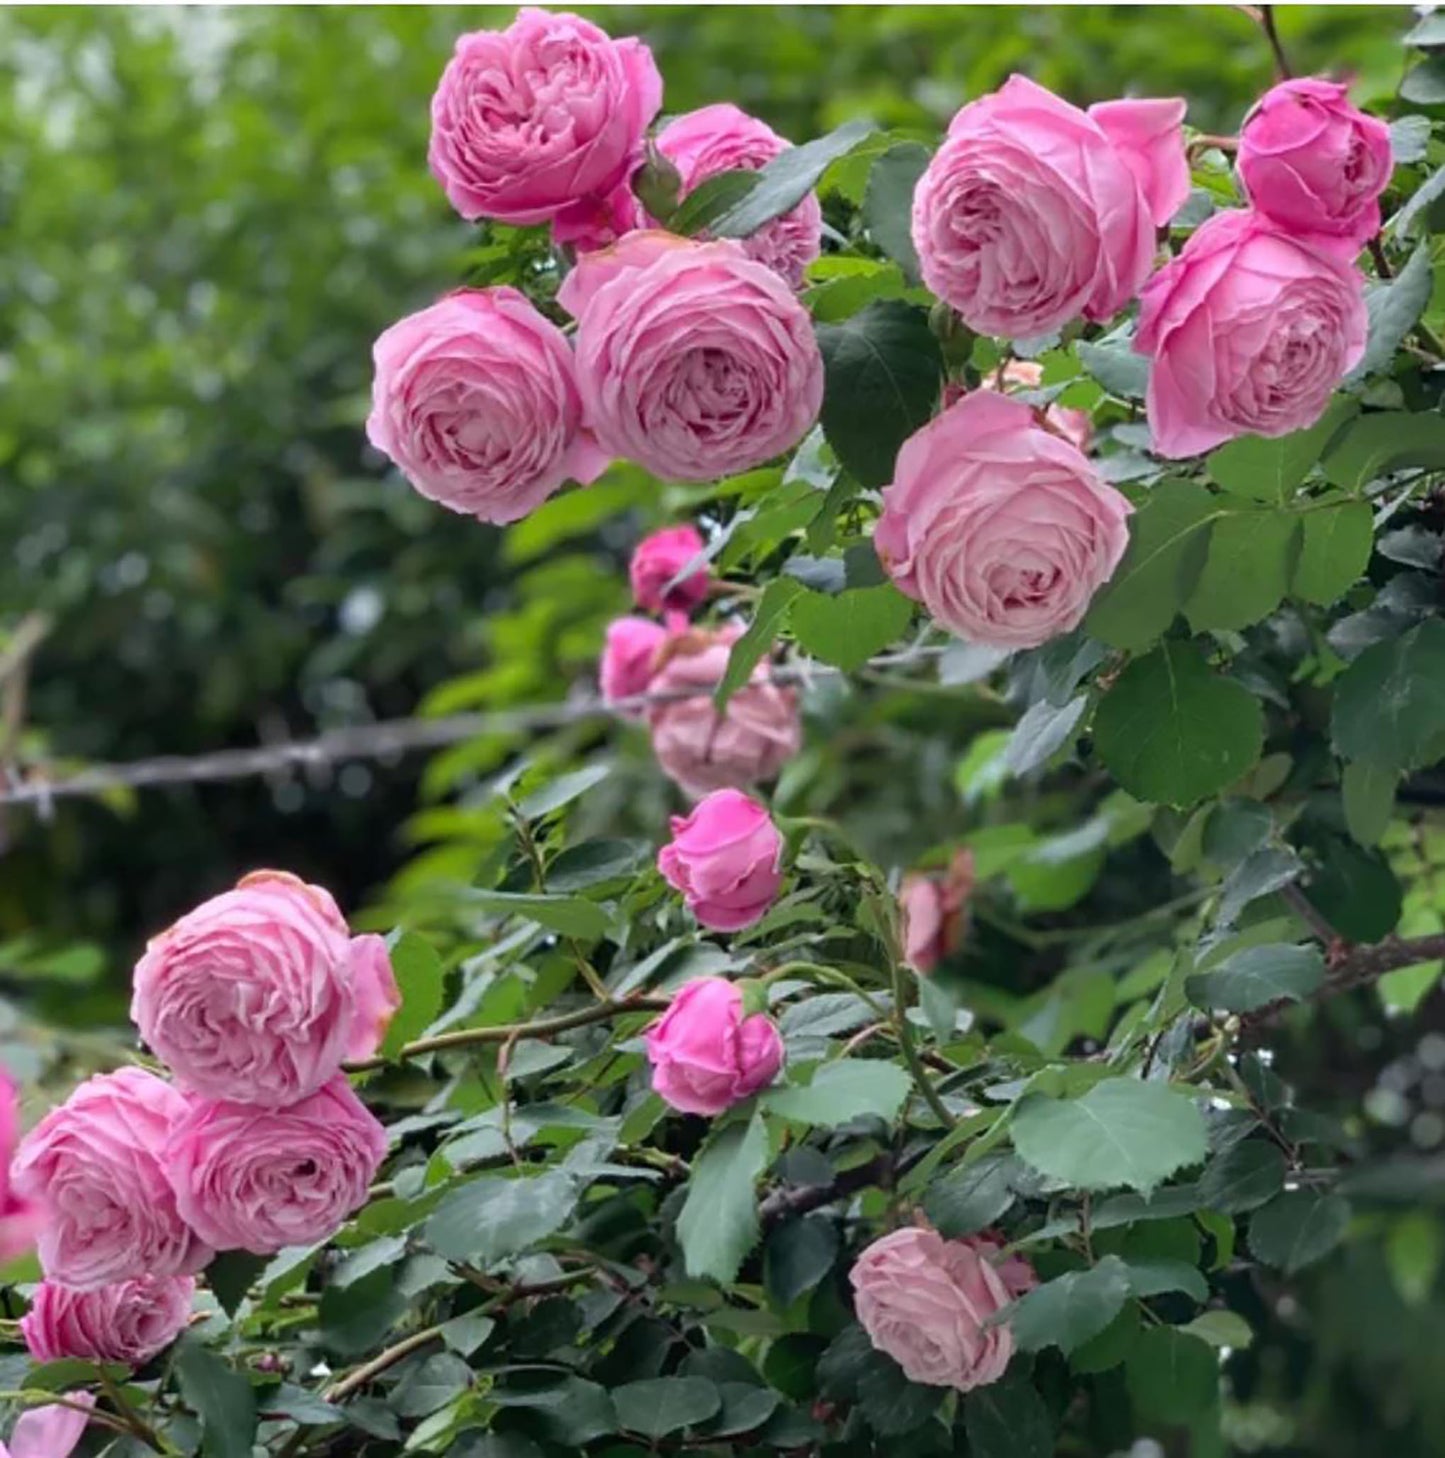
(254, 1000)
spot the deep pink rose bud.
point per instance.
(725, 859)
(693, 359)
(706, 1056)
(475, 398)
(127, 1321)
(260, 993)
(21, 1220)
(51, 1431)
(1313, 163)
(722, 138)
(546, 115)
(935, 912)
(95, 1163)
(926, 1302)
(700, 749)
(1248, 330)
(1034, 212)
(657, 560)
(256, 1179)
(628, 657)
(1000, 528)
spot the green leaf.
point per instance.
(1334, 552)
(1428, 31)
(846, 1089)
(1297, 1228)
(1168, 543)
(892, 1405)
(221, 1397)
(888, 202)
(846, 630)
(1269, 468)
(1395, 306)
(745, 1407)
(357, 1317)
(658, 1406)
(972, 1196)
(882, 376)
(1243, 1177)
(486, 1220)
(1425, 85)
(1246, 571)
(710, 200)
(718, 1225)
(750, 649)
(797, 1255)
(230, 1276)
(1221, 1329)
(1068, 1310)
(1007, 1419)
(1172, 731)
(1257, 976)
(1121, 1132)
(595, 862)
(570, 916)
(67, 1372)
(1041, 733)
(1388, 440)
(787, 180)
(561, 790)
(1389, 706)
(431, 1384)
(421, 981)
(1172, 1375)
(1114, 364)
(1154, 1277)
(1424, 203)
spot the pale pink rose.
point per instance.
(51, 1431)
(259, 1180)
(1313, 163)
(95, 1163)
(21, 1220)
(926, 1301)
(1018, 1276)
(722, 138)
(1002, 530)
(127, 1321)
(693, 359)
(541, 117)
(628, 657)
(260, 993)
(657, 560)
(1248, 331)
(726, 859)
(1034, 212)
(935, 912)
(1076, 426)
(706, 1056)
(701, 750)
(475, 399)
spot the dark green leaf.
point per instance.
(431, 1384)
(797, 1255)
(662, 1405)
(710, 200)
(1389, 706)
(1155, 1277)
(568, 915)
(1007, 1419)
(892, 1405)
(972, 1196)
(1068, 1310)
(1297, 1228)
(1369, 798)
(888, 202)
(356, 1318)
(1041, 733)
(562, 790)
(1257, 976)
(230, 1276)
(486, 1220)
(787, 180)
(421, 982)
(1172, 1376)
(1269, 468)
(1246, 571)
(1388, 440)
(221, 1397)
(1257, 875)
(1244, 1177)
(845, 1089)
(1425, 85)
(1334, 551)
(718, 1225)
(1116, 367)
(846, 630)
(596, 862)
(745, 1407)
(1395, 306)
(1111, 1346)
(749, 650)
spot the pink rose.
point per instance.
(627, 658)
(21, 1220)
(657, 560)
(722, 138)
(1002, 530)
(701, 750)
(1076, 426)
(1313, 163)
(127, 1321)
(51, 1431)
(260, 993)
(475, 399)
(705, 1055)
(599, 222)
(926, 1302)
(726, 859)
(935, 912)
(541, 117)
(261, 1179)
(1034, 212)
(693, 360)
(95, 1163)
(1249, 331)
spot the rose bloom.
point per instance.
(1313, 163)
(1076, 426)
(628, 656)
(256, 1179)
(51, 1431)
(127, 1321)
(935, 912)
(1002, 530)
(700, 749)
(1034, 212)
(475, 399)
(95, 1163)
(705, 1055)
(657, 560)
(260, 993)
(726, 860)
(1248, 330)
(693, 359)
(926, 1301)
(21, 1220)
(722, 138)
(543, 117)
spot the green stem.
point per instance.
(910, 1050)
